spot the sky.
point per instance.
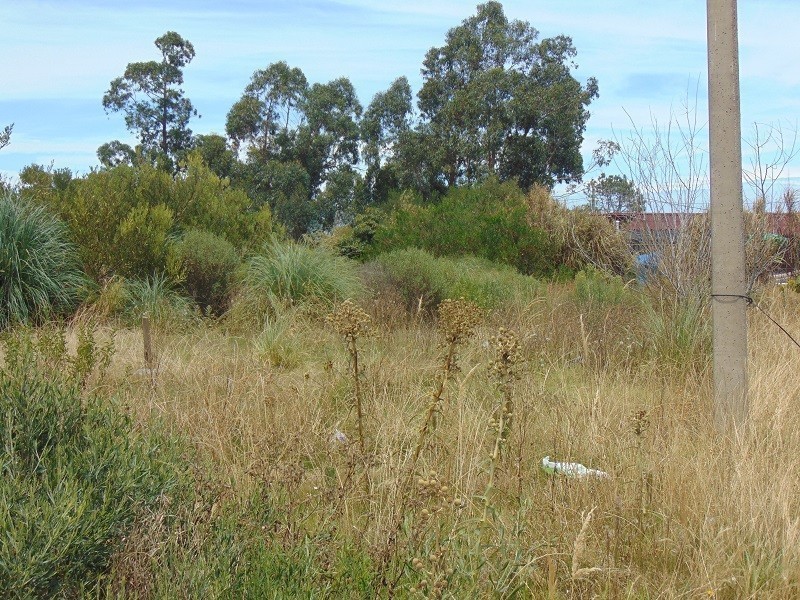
(649, 59)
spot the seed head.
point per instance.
(458, 319)
(507, 355)
(349, 320)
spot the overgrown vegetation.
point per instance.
(40, 275)
(349, 384)
(76, 472)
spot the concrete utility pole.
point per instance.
(727, 232)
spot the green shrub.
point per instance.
(292, 274)
(122, 218)
(424, 280)
(40, 273)
(76, 473)
(140, 241)
(489, 221)
(205, 264)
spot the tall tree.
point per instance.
(495, 100)
(150, 97)
(263, 115)
(386, 120)
(327, 140)
(301, 145)
(614, 193)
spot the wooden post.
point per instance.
(728, 300)
(148, 345)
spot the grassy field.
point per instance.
(444, 495)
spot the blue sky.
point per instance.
(60, 55)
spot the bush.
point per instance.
(291, 274)
(40, 273)
(123, 218)
(156, 297)
(578, 237)
(424, 280)
(489, 221)
(76, 474)
(205, 265)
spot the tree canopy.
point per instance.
(154, 105)
(497, 101)
(614, 193)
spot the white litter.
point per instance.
(339, 437)
(570, 469)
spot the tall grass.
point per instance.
(457, 493)
(287, 273)
(40, 274)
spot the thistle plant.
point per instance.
(504, 370)
(350, 321)
(457, 322)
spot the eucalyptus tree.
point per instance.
(300, 145)
(497, 100)
(386, 121)
(268, 110)
(149, 94)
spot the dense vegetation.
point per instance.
(366, 329)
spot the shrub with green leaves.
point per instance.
(40, 274)
(205, 264)
(287, 273)
(424, 280)
(124, 218)
(489, 221)
(76, 472)
(157, 297)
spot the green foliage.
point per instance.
(156, 296)
(614, 193)
(488, 220)
(141, 240)
(291, 273)
(424, 281)
(124, 219)
(598, 288)
(205, 264)
(40, 273)
(149, 96)
(386, 121)
(76, 474)
(302, 143)
(354, 241)
(496, 101)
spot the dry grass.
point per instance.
(685, 513)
